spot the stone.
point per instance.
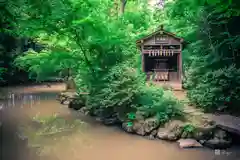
(172, 131)
(162, 133)
(150, 124)
(172, 136)
(139, 115)
(154, 132)
(65, 102)
(84, 110)
(216, 143)
(151, 137)
(138, 127)
(76, 104)
(204, 132)
(220, 134)
(198, 135)
(188, 143)
(127, 127)
(111, 121)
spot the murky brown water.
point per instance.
(93, 142)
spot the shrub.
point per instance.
(124, 92)
(116, 94)
(217, 89)
(154, 101)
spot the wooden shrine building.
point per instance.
(162, 58)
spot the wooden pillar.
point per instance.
(143, 59)
(180, 66)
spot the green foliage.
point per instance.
(211, 59)
(154, 101)
(217, 89)
(189, 129)
(99, 49)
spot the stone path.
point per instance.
(224, 121)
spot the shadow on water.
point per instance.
(13, 145)
(95, 142)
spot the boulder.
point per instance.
(204, 132)
(84, 110)
(66, 97)
(163, 133)
(128, 127)
(220, 134)
(154, 132)
(111, 121)
(76, 104)
(216, 143)
(220, 140)
(172, 131)
(150, 124)
(188, 143)
(139, 115)
(70, 95)
(66, 102)
(138, 127)
(152, 135)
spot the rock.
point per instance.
(220, 134)
(202, 141)
(188, 143)
(172, 131)
(67, 97)
(128, 127)
(150, 124)
(216, 143)
(154, 133)
(139, 115)
(198, 135)
(76, 104)
(111, 121)
(162, 133)
(84, 110)
(220, 140)
(151, 137)
(138, 127)
(66, 102)
(204, 132)
(99, 119)
(175, 124)
(70, 95)
(172, 136)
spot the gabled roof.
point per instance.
(161, 30)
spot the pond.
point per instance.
(85, 139)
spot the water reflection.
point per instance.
(12, 100)
(97, 142)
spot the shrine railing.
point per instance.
(163, 75)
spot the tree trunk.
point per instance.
(123, 5)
